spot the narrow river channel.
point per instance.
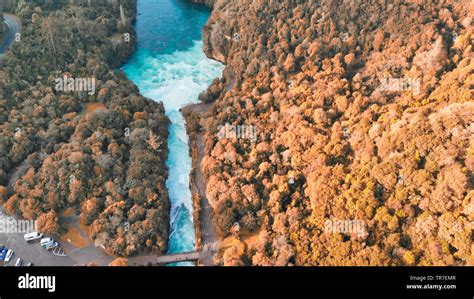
(170, 66)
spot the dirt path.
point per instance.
(208, 233)
(208, 238)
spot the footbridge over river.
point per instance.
(201, 257)
(178, 257)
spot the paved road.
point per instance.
(13, 29)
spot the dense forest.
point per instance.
(101, 151)
(364, 111)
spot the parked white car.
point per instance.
(45, 241)
(9, 255)
(32, 236)
(51, 245)
(19, 262)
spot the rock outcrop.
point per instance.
(209, 3)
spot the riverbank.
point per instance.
(203, 213)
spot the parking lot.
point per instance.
(31, 252)
(66, 255)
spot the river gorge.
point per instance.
(170, 66)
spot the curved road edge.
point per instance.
(13, 24)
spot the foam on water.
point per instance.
(176, 79)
